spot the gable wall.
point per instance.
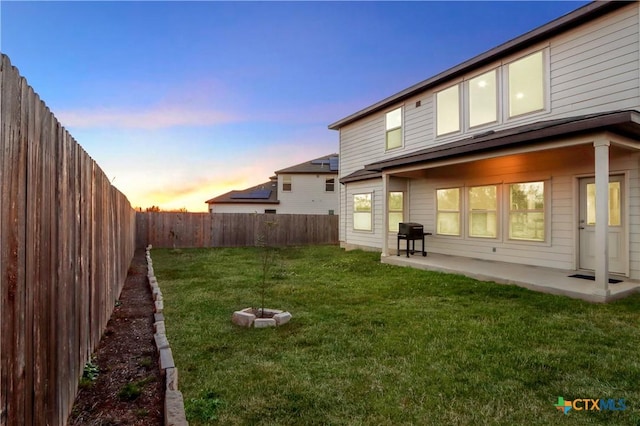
(308, 195)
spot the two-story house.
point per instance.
(306, 188)
(512, 155)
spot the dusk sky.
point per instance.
(179, 102)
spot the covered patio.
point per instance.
(545, 280)
(570, 154)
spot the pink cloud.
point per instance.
(155, 118)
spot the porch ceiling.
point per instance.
(626, 124)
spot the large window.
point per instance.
(286, 183)
(483, 211)
(483, 99)
(526, 85)
(448, 211)
(526, 211)
(393, 125)
(448, 110)
(396, 208)
(475, 102)
(362, 212)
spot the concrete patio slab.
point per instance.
(546, 280)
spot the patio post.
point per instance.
(385, 215)
(601, 286)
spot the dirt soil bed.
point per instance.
(129, 389)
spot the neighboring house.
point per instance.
(511, 155)
(306, 188)
(261, 198)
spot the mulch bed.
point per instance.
(129, 389)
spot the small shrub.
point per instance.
(142, 412)
(132, 390)
(145, 362)
(89, 374)
(129, 392)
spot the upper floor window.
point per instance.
(286, 183)
(507, 91)
(483, 99)
(362, 212)
(396, 208)
(393, 126)
(329, 184)
(526, 85)
(448, 110)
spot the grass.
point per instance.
(374, 344)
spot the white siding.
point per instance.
(308, 195)
(593, 68)
(364, 239)
(243, 208)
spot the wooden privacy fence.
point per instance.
(164, 229)
(67, 238)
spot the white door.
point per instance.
(617, 235)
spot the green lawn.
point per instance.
(374, 344)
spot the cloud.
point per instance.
(154, 118)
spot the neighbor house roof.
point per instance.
(564, 23)
(623, 123)
(327, 164)
(265, 193)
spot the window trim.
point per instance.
(287, 180)
(545, 212)
(332, 183)
(468, 211)
(353, 212)
(389, 210)
(388, 130)
(460, 105)
(460, 212)
(467, 99)
(545, 85)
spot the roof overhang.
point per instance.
(567, 22)
(625, 124)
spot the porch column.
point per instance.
(601, 286)
(385, 215)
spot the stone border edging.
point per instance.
(174, 414)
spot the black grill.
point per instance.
(410, 231)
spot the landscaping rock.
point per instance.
(264, 322)
(159, 327)
(172, 379)
(243, 319)
(174, 414)
(161, 341)
(282, 318)
(166, 359)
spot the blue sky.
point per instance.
(179, 102)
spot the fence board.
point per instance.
(180, 230)
(67, 238)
